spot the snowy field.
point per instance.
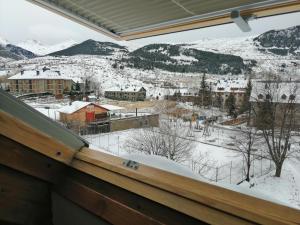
(214, 158)
(224, 165)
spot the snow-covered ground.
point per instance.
(224, 165)
(216, 152)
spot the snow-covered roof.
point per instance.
(278, 91)
(3, 72)
(43, 74)
(125, 89)
(112, 107)
(77, 105)
(230, 85)
(74, 106)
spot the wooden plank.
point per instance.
(102, 206)
(240, 205)
(17, 211)
(169, 199)
(288, 7)
(20, 132)
(25, 160)
(18, 185)
(145, 206)
(23, 199)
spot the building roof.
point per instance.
(279, 91)
(43, 75)
(228, 85)
(125, 89)
(112, 107)
(77, 105)
(131, 19)
(74, 106)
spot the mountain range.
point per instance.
(215, 56)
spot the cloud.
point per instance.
(50, 33)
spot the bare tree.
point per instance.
(203, 163)
(244, 143)
(146, 140)
(169, 140)
(275, 110)
(176, 144)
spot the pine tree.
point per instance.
(231, 106)
(203, 85)
(204, 92)
(245, 107)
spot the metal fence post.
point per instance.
(261, 159)
(253, 166)
(230, 171)
(243, 169)
(217, 171)
(118, 145)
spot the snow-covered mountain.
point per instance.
(92, 47)
(41, 49)
(11, 51)
(280, 42)
(226, 56)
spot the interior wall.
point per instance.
(65, 212)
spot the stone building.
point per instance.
(129, 94)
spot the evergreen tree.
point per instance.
(231, 106)
(246, 105)
(203, 85)
(77, 87)
(204, 92)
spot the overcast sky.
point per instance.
(21, 20)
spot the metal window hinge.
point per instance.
(131, 164)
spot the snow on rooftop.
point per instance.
(43, 74)
(3, 72)
(112, 107)
(227, 85)
(125, 89)
(74, 106)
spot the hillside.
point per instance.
(15, 52)
(216, 57)
(181, 58)
(280, 42)
(91, 47)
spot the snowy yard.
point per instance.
(224, 165)
(214, 152)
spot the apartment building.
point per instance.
(39, 81)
